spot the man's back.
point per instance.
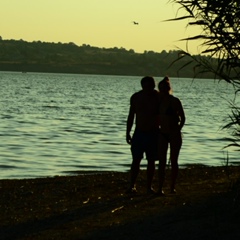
(145, 106)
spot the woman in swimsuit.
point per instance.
(171, 121)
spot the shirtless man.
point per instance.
(144, 109)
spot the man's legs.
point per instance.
(134, 172)
(137, 155)
(151, 150)
(150, 174)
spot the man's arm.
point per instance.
(130, 121)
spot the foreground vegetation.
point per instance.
(220, 36)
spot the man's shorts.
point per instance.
(145, 142)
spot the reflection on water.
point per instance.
(55, 124)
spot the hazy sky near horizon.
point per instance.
(105, 23)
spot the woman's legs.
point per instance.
(163, 147)
(175, 146)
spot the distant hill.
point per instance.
(19, 55)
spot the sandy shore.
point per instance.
(95, 206)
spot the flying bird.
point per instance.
(136, 23)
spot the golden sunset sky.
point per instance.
(99, 23)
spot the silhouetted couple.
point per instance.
(159, 118)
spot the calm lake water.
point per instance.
(61, 124)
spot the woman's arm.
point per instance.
(181, 114)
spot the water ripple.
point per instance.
(55, 124)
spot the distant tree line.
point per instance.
(37, 56)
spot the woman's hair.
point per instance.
(165, 86)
